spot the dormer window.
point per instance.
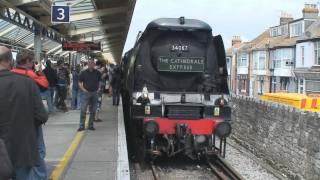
(279, 30)
(296, 29)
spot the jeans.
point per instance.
(76, 98)
(38, 172)
(22, 173)
(51, 92)
(62, 95)
(115, 96)
(49, 99)
(99, 104)
(88, 99)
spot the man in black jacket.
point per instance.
(115, 85)
(51, 75)
(21, 111)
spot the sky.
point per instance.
(245, 18)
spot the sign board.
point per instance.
(181, 64)
(81, 46)
(60, 14)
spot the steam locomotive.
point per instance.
(175, 92)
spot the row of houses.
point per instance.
(283, 58)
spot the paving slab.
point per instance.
(96, 156)
(59, 132)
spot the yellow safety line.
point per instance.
(65, 160)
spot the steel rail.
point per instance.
(154, 172)
(222, 169)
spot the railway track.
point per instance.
(155, 174)
(212, 167)
(222, 169)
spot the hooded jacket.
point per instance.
(38, 77)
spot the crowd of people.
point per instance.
(23, 88)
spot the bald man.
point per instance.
(21, 111)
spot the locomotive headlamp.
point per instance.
(151, 128)
(223, 129)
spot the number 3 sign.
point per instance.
(60, 14)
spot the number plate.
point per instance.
(183, 48)
(181, 64)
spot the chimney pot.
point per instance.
(236, 40)
(285, 18)
(310, 11)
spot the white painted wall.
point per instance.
(308, 55)
(284, 72)
(259, 72)
(242, 70)
(228, 63)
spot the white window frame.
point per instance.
(317, 53)
(301, 84)
(281, 56)
(302, 55)
(228, 63)
(243, 60)
(296, 29)
(260, 87)
(259, 60)
(311, 90)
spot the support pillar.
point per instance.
(38, 44)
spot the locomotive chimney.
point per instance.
(236, 40)
(285, 18)
(310, 11)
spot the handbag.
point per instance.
(6, 169)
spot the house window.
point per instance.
(228, 63)
(312, 86)
(259, 60)
(302, 55)
(317, 53)
(243, 85)
(260, 87)
(301, 86)
(242, 60)
(274, 84)
(274, 32)
(284, 83)
(296, 29)
(282, 57)
(284, 29)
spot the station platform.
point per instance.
(99, 154)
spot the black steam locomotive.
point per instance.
(174, 90)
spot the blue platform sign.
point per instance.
(60, 14)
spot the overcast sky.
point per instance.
(246, 18)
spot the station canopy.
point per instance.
(104, 21)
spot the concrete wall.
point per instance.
(284, 137)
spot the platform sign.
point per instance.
(81, 46)
(60, 14)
